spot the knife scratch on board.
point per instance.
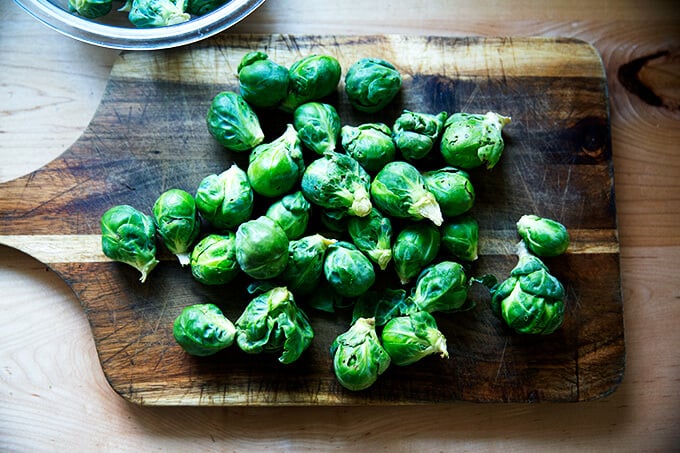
(501, 361)
(565, 193)
(531, 194)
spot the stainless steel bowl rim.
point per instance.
(123, 38)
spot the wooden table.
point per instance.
(53, 395)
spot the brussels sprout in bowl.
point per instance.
(115, 31)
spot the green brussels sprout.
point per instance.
(337, 182)
(530, 300)
(471, 140)
(442, 287)
(261, 248)
(275, 168)
(460, 237)
(371, 84)
(408, 339)
(176, 218)
(382, 305)
(273, 323)
(358, 357)
(543, 236)
(318, 126)
(305, 263)
(373, 236)
(399, 190)
(225, 200)
(156, 13)
(203, 7)
(370, 144)
(233, 122)
(91, 9)
(291, 213)
(416, 133)
(262, 82)
(203, 330)
(323, 298)
(334, 220)
(311, 78)
(256, 287)
(129, 236)
(348, 271)
(452, 188)
(213, 259)
(415, 247)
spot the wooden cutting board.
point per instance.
(149, 135)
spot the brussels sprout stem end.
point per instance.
(499, 120)
(439, 347)
(361, 206)
(384, 259)
(431, 211)
(146, 269)
(522, 249)
(183, 258)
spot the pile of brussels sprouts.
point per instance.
(351, 223)
(147, 13)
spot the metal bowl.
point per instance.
(116, 32)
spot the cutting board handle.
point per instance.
(37, 211)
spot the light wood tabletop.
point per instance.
(54, 396)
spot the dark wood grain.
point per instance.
(149, 135)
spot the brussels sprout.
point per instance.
(203, 7)
(337, 182)
(305, 263)
(334, 220)
(415, 247)
(416, 133)
(213, 259)
(324, 298)
(90, 8)
(471, 140)
(408, 339)
(358, 356)
(129, 236)
(441, 287)
(399, 190)
(273, 323)
(291, 213)
(371, 84)
(256, 287)
(543, 236)
(318, 126)
(203, 330)
(370, 144)
(263, 83)
(311, 78)
(460, 237)
(176, 218)
(348, 271)
(275, 168)
(157, 13)
(225, 200)
(452, 188)
(382, 305)
(373, 236)
(530, 300)
(233, 122)
(261, 248)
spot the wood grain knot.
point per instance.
(654, 78)
(590, 133)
